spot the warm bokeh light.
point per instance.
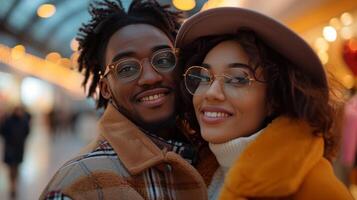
(222, 3)
(74, 59)
(321, 44)
(352, 44)
(346, 33)
(49, 71)
(46, 10)
(9, 89)
(53, 57)
(349, 54)
(348, 81)
(346, 19)
(65, 62)
(329, 33)
(74, 44)
(18, 52)
(184, 5)
(323, 57)
(336, 23)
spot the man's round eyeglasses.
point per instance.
(129, 69)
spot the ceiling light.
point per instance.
(46, 10)
(18, 52)
(53, 57)
(184, 5)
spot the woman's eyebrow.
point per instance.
(205, 65)
(238, 65)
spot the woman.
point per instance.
(262, 102)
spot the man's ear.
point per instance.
(104, 89)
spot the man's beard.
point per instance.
(155, 127)
(148, 127)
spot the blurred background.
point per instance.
(38, 53)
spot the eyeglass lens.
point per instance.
(198, 80)
(130, 69)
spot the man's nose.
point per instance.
(149, 75)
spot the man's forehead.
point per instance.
(136, 39)
(137, 33)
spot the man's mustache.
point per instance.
(145, 88)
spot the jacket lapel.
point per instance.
(136, 151)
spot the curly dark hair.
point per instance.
(108, 16)
(289, 91)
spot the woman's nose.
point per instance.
(215, 91)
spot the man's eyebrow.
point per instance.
(159, 47)
(131, 53)
(122, 55)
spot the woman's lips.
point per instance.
(214, 115)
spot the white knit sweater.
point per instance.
(226, 153)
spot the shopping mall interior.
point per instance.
(38, 69)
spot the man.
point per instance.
(15, 130)
(130, 58)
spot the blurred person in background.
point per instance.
(143, 150)
(61, 121)
(14, 130)
(262, 101)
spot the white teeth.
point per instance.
(216, 114)
(152, 97)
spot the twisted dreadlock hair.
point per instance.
(109, 16)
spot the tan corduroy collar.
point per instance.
(136, 151)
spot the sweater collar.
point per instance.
(276, 163)
(227, 152)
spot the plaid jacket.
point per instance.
(123, 163)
